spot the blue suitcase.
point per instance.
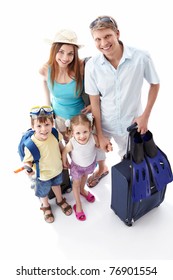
(140, 180)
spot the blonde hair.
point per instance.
(99, 23)
(77, 120)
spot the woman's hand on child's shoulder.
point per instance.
(86, 110)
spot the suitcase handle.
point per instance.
(131, 127)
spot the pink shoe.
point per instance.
(79, 215)
(90, 197)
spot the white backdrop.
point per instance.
(24, 25)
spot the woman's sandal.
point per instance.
(66, 208)
(79, 215)
(47, 216)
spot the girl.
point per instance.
(82, 148)
(63, 79)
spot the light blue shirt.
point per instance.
(65, 100)
(119, 89)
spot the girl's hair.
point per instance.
(74, 68)
(76, 120)
(42, 119)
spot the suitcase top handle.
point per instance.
(131, 127)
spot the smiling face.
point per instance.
(65, 55)
(106, 40)
(42, 129)
(81, 133)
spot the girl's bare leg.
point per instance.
(76, 193)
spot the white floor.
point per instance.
(27, 239)
(102, 236)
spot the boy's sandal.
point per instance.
(47, 216)
(65, 209)
(79, 215)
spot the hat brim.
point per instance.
(50, 42)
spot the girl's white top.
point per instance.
(83, 155)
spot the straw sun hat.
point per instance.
(65, 36)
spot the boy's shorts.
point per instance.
(43, 187)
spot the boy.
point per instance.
(50, 163)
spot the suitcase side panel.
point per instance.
(120, 189)
(144, 206)
(121, 198)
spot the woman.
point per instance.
(63, 79)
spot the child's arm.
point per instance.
(67, 149)
(61, 146)
(60, 143)
(28, 161)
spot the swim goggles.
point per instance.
(103, 19)
(41, 110)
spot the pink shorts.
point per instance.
(77, 171)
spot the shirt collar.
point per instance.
(127, 54)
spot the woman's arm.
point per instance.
(44, 72)
(67, 149)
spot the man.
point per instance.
(113, 80)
